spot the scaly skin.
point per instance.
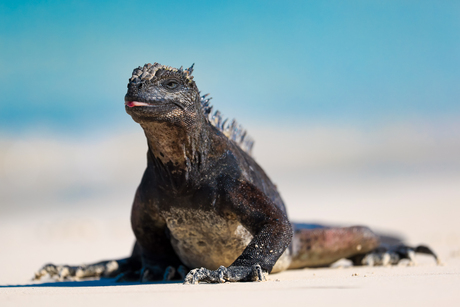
(204, 202)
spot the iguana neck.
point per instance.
(177, 148)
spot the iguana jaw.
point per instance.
(142, 110)
(150, 112)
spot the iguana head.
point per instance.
(163, 94)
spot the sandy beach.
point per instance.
(100, 233)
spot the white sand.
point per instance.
(95, 233)
(422, 205)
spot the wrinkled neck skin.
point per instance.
(177, 153)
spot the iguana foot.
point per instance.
(67, 272)
(391, 255)
(157, 273)
(223, 274)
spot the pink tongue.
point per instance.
(136, 104)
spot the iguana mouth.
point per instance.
(137, 104)
(134, 103)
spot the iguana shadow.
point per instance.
(103, 282)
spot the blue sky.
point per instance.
(64, 65)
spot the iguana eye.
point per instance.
(171, 84)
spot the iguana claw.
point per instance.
(223, 274)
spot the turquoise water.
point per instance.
(64, 66)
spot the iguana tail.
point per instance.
(318, 246)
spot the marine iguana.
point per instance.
(204, 202)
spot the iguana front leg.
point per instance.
(159, 261)
(269, 225)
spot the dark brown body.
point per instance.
(223, 209)
(208, 213)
